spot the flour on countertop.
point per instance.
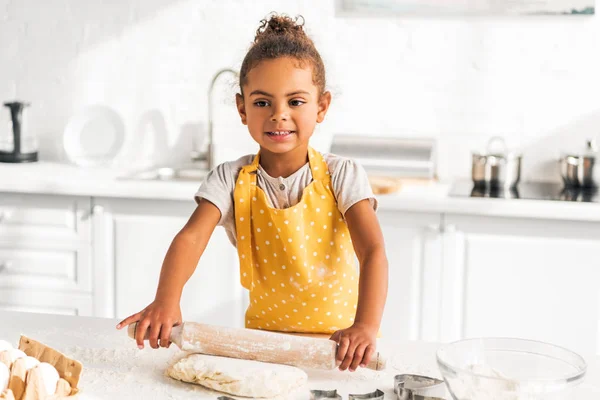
(114, 368)
(109, 370)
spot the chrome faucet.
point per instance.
(208, 154)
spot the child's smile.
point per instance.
(280, 135)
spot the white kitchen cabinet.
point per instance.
(45, 254)
(47, 301)
(133, 237)
(528, 278)
(413, 247)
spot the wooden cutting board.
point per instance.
(388, 184)
(384, 185)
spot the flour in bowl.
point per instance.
(482, 388)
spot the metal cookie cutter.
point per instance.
(417, 387)
(324, 395)
(377, 395)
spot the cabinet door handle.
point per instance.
(96, 210)
(4, 265)
(433, 228)
(2, 215)
(449, 228)
(436, 229)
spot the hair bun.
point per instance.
(277, 36)
(280, 25)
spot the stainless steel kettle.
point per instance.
(17, 144)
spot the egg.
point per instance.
(49, 376)
(4, 345)
(31, 362)
(4, 376)
(16, 353)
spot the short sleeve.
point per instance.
(218, 189)
(350, 182)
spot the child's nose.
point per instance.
(280, 114)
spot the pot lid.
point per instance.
(590, 150)
(496, 147)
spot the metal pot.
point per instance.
(580, 170)
(496, 168)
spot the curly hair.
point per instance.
(282, 36)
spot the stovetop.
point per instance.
(528, 191)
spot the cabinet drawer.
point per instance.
(44, 269)
(50, 218)
(46, 302)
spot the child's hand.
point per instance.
(356, 346)
(158, 317)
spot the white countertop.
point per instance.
(63, 179)
(434, 198)
(113, 367)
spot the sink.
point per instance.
(179, 174)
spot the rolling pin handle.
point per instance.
(377, 363)
(175, 333)
(131, 330)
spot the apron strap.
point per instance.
(244, 192)
(318, 166)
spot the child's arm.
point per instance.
(178, 266)
(357, 343)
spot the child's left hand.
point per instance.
(356, 346)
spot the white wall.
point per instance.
(534, 80)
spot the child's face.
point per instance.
(281, 104)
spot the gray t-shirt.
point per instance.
(349, 181)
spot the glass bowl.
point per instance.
(509, 369)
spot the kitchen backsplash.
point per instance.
(533, 80)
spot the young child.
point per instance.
(297, 217)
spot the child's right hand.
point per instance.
(158, 317)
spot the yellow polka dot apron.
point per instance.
(297, 262)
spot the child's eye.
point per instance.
(261, 103)
(296, 103)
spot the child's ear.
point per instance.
(324, 102)
(241, 107)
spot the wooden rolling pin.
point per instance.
(250, 344)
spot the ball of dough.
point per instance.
(31, 362)
(4, 345)
(50, 377)
(4, 376)
(16, 353)
(238, 377)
